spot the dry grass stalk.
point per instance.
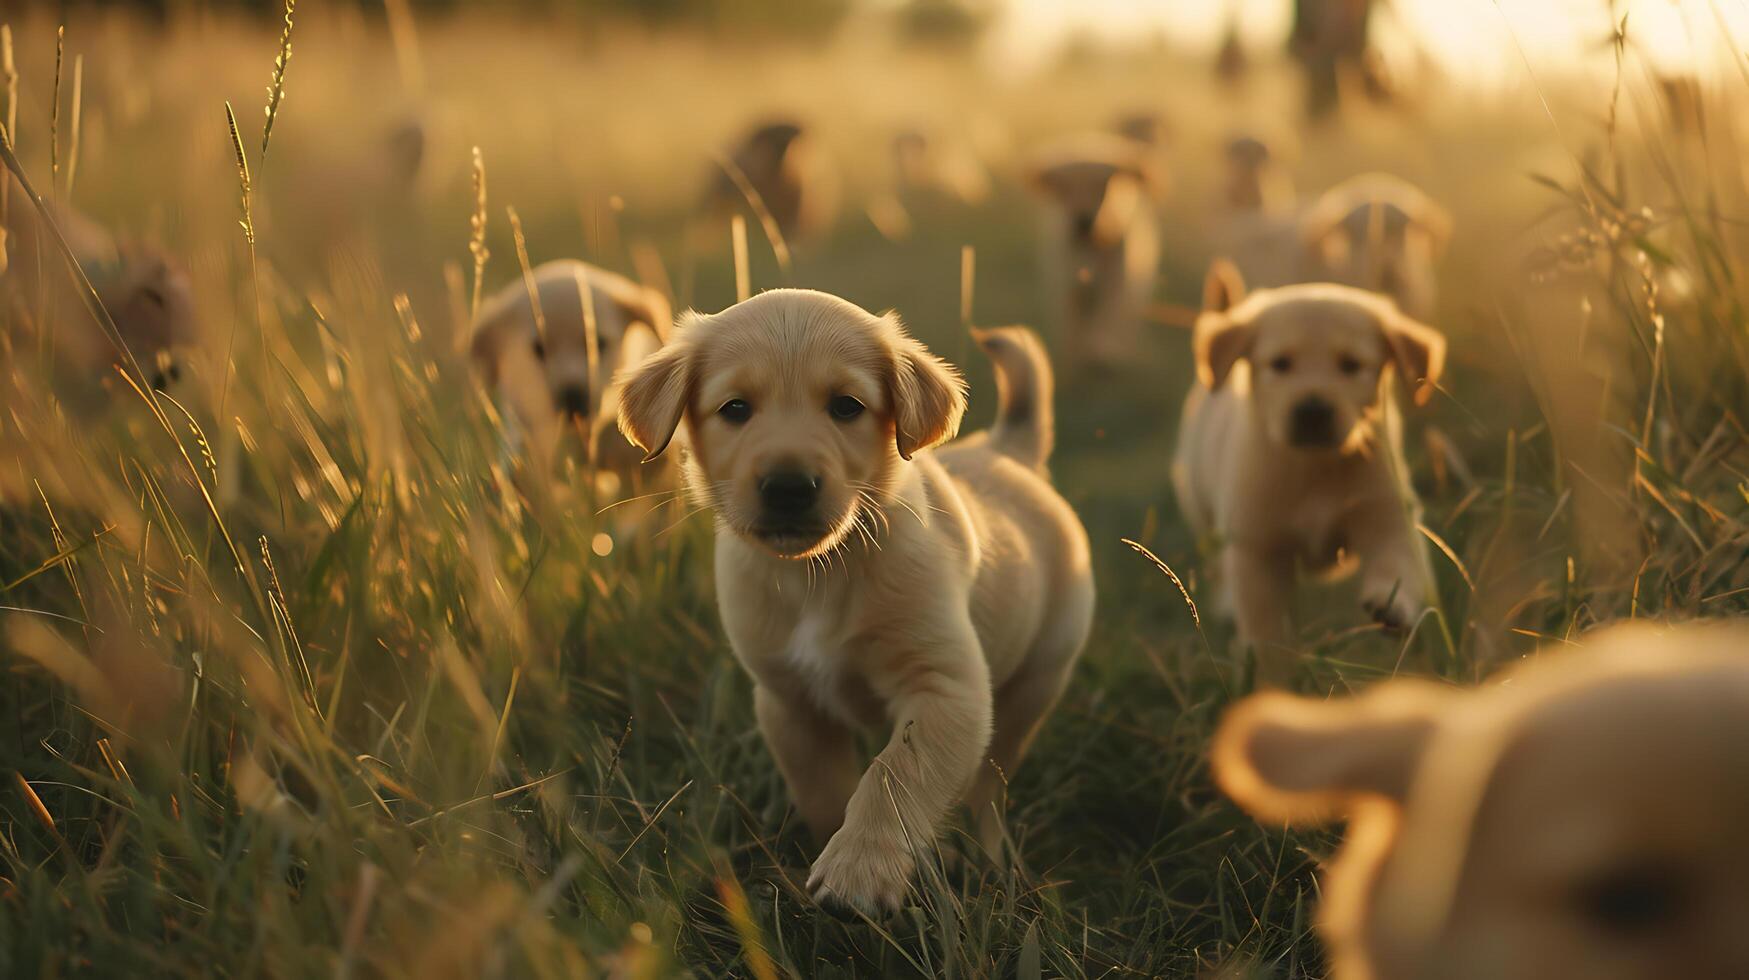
(276, 89)
(73, 124)
(477, 231)
(743, 275)
(8, 78)
(405, 36)
(55, 112)
(540, 317)
(779, 247)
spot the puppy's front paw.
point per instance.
(865, 871)
(1394, 610)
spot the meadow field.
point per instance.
(306, 677)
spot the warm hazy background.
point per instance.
(390, 704)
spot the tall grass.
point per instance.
(380, 709)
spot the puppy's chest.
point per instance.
(819, 663)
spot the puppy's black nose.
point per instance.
(168, 374)
(573, 400)
(1313, 423)
(789, 493)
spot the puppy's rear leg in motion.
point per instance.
(941, 710)
(816, 756)
(1259, 584)
(1022, 705)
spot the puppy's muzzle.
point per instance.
(572, 401)
(788, 497)
(169, 372)
(1312, 424)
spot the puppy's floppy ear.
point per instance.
(650, 308)
(1418, 351)
(1429, 215)
(1218, 343)
(485, 348)
(653, 394)
(1223, 288)
(929, 396)
(1298, 760)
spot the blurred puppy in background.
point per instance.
(1582, 817)
(1256, 225)
(1102, 249)
(781, 164)
(865, 581)
(931, 176)
(1145, 128)
(544, 369)
(1290, 450)
(145, 290)
(1378, 232)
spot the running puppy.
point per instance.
(1378, 232)
(1102, 247)
(1290, 450)
(1581, 819)
(553, 380)
(781, 163)
(146, 291)
(1257, 224)
(866, 581)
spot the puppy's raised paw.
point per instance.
(1393, 610)
(862, 871)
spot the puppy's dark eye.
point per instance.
(844, 408)
(1348, 364)
(1632, 901)
(1281, 364)
(736, 410)
(540, 349)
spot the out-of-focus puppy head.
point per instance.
(1582, 819)
(1098, 185)
(514, 355)
(1248, 159)
(1252, 179)
(149, 296)
(1376, 231)
(1317, 356)
(766, 150)
(1147, 129)
(800, 408)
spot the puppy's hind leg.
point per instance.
(816, 756)
(1022, 705)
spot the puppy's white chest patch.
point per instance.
(816, 653)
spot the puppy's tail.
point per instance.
(1025, 428)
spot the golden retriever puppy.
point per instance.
(1144, 128)
(780, 163)
(1290, 450)
(1583, 817)
(553, 380)
(1253, 179)
(1256, 225)
(1378, 232)
(146, 291)
(1102, 249)
(866, 581)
